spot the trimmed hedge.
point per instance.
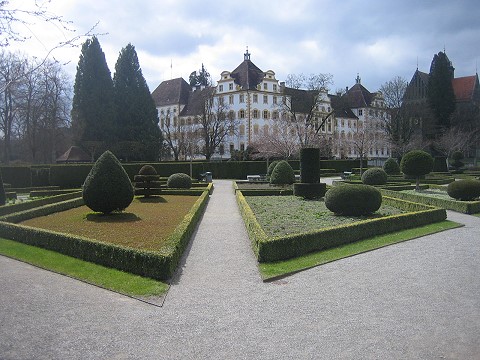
(158, 265)
(282, 174)
(4, 210)
(52, 192)
(179, 181)
(269, 249)
(310, 165)
(17, 176)
(466, 207)
(391, 167)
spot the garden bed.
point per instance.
(270, 247)
(436, 197)
(133, 241)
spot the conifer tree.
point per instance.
(93, 109)
(440, 95)
(137, 118)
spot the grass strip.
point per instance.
(111, 279)
(279, 269)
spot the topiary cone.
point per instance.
(107, 187)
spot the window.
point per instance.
(275, 115)
(175, 123)
(242, 129)
(275, 100)
(220, 101)
(274, 87)
(242, 147)
(255, 114)
(242, 98)
(343, 123)
(221, 149)
(230, 86)
(182, 122)
(275, 130)
(265, 99)
(265, 114)
(349, 124)
(360, 112)
(265, 86)
(220, 88)
(189, 121)
(255, 129)
(370, 112)
(255, 98)
(241, 114)
(265, 130)
(232, 148)
(162, 123)
(231, 115)
(230, 99)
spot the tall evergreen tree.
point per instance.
(137, 118)
(440, 95)
(93, 110)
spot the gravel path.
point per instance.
(414, 300)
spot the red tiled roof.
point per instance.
(464, 87)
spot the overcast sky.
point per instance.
(378, 39)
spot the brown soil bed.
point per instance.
(145, 224)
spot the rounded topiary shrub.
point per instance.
(466, 189)
(391, 167)
(416, 163)
(147, 170)
(282, 174)
(353, 200)
(374, 176)
(179, 181)
(271, 167)
(107, 187)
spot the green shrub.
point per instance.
(465, 190)
(374, 176)
(353, 200)
(107, 187)
(282, 174)
(271, 167)
(416, 163)
(391, 167)
(147, 170)
(310, 165)
(3, 196)
(457, 157)
(179, 181)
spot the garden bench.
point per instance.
(346, 174)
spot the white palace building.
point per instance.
(254, 99)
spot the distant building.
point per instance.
(254, 98)
(467, 98)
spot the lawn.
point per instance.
(145, 224)
(432, 192)
(285, 215)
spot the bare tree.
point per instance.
(302, 103)
(214, 123)
(454, 139)
(400, 127)
(393, 91)
(363, 139)
(279, 142)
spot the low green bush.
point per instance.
(3, 196)
(464, 190)
(179, 181)
(271, 167)
(391, 167)
(374, 176)
(282, 174)
(353, 199)
(457, 158)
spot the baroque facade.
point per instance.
(256, 101)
